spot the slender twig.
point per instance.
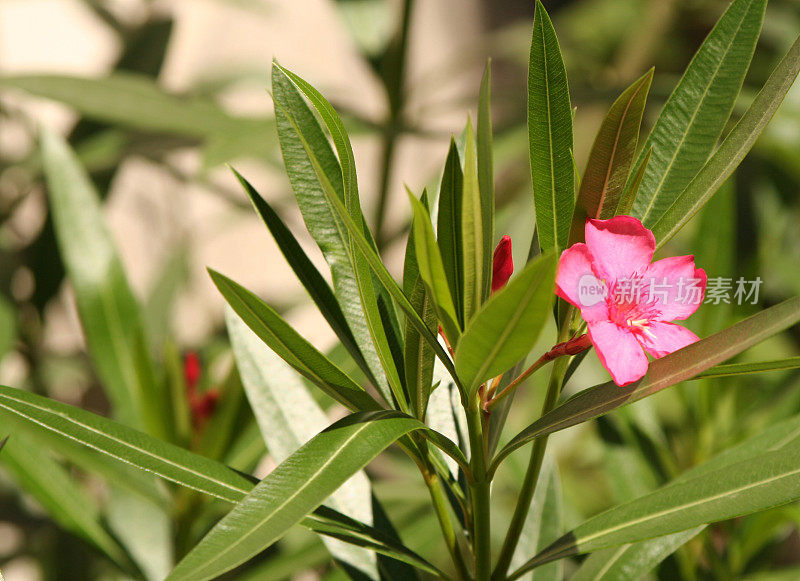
(571, 347)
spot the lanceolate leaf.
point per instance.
(674, 368)
(732, 150)
(610, 158)
(291, 347)
(289, 417)
(126, 444)
(485, 153)
(628, 197)
(757, 474)
(431, 270)
(550, 135)
(295, 488)
(632, 560)
(304, 146)
(472, 229)
(108, 310)
(417, 354)
(748, 368)
(367, 249)
(306, 272)
(507, 327)
(129, 446)
(449, 227)
(694, 116)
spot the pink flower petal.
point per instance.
(665, 338)
(676, 286)
(619, 351)
(574, 271)
(620, 246)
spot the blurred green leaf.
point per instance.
(669, 370)
(295, 488)
(60, 496)
(108, 310)
(684, 205)
(550, 135)
(610, 159)
(312, 167)
(289, 417)
(431, 270)
(543, 524)
(694, 116)
(507, 327)
(291, 347)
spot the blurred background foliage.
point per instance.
(156, 96)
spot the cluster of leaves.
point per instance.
(426, 398)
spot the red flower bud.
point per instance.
(191, 370)
(203, 406)
(502, 264)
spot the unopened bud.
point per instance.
(502, 264)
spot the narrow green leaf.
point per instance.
(665, 372)
(694, 116)
(749, 368)
(50, 484)
(312, 166)
(129, 446)
(448, 228)
(485, 162)
(126, 444)
(417, 354)
(291, 347)
(108, 310)
(611, 157)
(743, 480)
(550, 135)
(471, 229)
(628, 198)
(632, 560)
(306, 272)
(289, 417)
(367, 250)
(507, 327)
(295, 488)
(431, 270)
(730, 153)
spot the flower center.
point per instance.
(629, 306)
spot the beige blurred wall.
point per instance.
(150, 211)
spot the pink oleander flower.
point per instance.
(502, 264)
(627, 302)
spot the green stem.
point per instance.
(534, 464)
(479, 492)
(394, 82)
(440, 507)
